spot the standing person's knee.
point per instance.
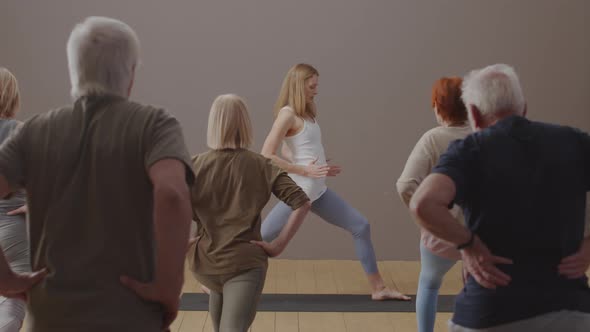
(362, 228)
(430, 279)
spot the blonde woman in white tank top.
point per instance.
(303, 157)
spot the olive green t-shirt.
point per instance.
(231, 188)
(90, 200)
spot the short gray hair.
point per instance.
(495, 88)
(102, 54)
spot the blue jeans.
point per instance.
(433, 269)
(333, 209)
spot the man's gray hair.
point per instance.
(493, 89)
(102, 55)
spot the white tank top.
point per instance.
(306, 146)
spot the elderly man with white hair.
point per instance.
(522, 186)
(107, 183)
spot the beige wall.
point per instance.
(377, 60)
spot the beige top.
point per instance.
(90, 204)
(420, 163)
(231, 188)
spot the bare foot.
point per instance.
(205, 290)
(388, 294)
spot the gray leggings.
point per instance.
(234, 309)
(15, 244)
(337, 212)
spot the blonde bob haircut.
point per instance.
(293, 91)
(229, 124)
(9, 94)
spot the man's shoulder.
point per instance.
(544, 132)
(565, 130)
(144, 117)
(552, 127)
(42, 119)
(68, 114)
(470, 142)
(144, 109)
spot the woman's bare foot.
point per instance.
(388, 294)
(205, 290)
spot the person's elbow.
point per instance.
(420, 204)
(6, 190)
(305, 207)
(172, 195)
(405, 190)
(267, 154)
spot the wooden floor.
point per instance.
(328, 277)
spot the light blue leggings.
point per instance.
(15, 244)
(336, 211)
(433, 269)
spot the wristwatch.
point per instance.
(468, 243)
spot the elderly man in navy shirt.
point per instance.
(522, 186)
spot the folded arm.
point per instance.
(430, 207)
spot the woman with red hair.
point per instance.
(436, 256)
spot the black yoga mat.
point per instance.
(320, 303)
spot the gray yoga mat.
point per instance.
(320, 303)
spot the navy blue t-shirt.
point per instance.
(522, 186)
